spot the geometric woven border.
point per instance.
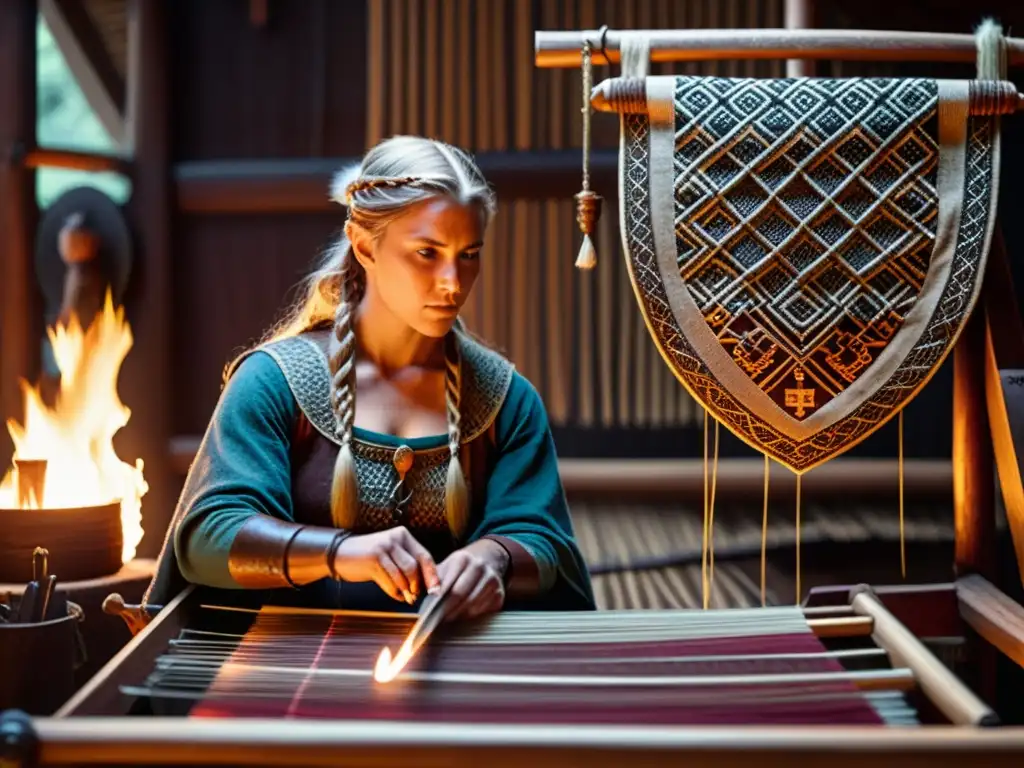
(890, 396)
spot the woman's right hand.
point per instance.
(392, 558)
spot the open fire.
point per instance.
(75, 436)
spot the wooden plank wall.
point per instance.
(578, 336)
(457, 70)
(20, 303)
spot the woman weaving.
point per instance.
(371, 449)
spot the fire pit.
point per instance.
(85, 542)
(68, 491)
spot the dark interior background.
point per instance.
(262, 107)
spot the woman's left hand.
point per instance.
(477, 575)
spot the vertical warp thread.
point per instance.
(903, 542)
(764, 536)
(799, 590)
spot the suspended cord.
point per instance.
(764, 537)
(799, 591)
(711, 515)
(903, 541)
(704, 544)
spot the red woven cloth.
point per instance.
(326, 674)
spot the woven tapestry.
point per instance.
(805, 251)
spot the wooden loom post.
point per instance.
(19, 302)
(974, 479)
(147, 370)
(973, 461)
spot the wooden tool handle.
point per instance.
(135, 616)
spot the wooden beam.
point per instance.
(146, 377)
(89, 61)
(646, 478)
(75, 160)
(973, 459)
(119, 740)
(993, 615)
(300, 185)
(560, 49)
(20, 300)
(745, 478)
(1004, 387)
(928, 610)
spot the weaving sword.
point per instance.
(431, 614)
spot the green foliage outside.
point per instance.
(66, 121)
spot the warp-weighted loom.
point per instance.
(805, 253)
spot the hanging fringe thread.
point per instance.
(903, 539)
(764, 536)
(706, 596)
(711, 514)
(799, 587)
(708, 550)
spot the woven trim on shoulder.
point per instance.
(304, 366)
(486, 378)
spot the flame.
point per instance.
(382, 671)
(75, 436)
(387, 669)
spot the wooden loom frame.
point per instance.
(84, 733)
(999, 621)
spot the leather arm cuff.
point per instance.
(269, 553)
(523, 577)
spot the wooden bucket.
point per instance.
(38, 661)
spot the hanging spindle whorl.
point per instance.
(588, 202)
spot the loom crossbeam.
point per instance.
(562, 48)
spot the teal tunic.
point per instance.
(244, 467)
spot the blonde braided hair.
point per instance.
(361, 185)
(341, 356)
(456, 491)
(395, 174)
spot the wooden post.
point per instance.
(973, 461)
(20, 302)
(146, 375)
(974, 486)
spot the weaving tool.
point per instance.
(431, 614)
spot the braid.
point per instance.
(456, 493)
(341, 353)
(366, 184)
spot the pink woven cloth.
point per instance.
(325, 675)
